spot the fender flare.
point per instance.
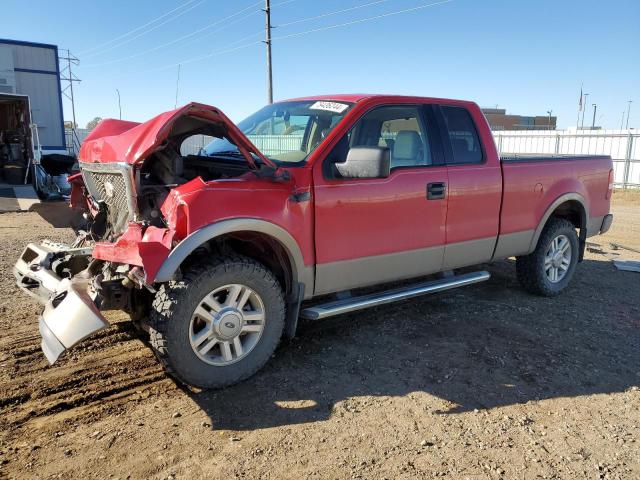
(555, 204)
(301, 273)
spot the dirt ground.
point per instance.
(481, 382)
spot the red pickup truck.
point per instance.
(217, 255)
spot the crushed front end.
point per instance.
(73, 282)
(129, 195)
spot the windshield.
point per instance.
(285, 132)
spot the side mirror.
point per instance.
(365, 162)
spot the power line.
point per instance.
(200, 30)
(362, 20)
(306, 19)
(237, 20)
(306, 32)
(184, 37)
(97, 47)
(256, 33)
(344, 10)
(145, 32)
(204, 57)
(282, 3)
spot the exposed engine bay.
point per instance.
(167, 168)
(119, 193)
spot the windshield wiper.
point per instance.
(228, 152)
(237, 154)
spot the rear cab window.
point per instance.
(462, 136)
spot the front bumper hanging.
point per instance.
(70, 314)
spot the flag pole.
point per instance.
(579, 108)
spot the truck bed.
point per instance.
(536, 157)
(533, 183)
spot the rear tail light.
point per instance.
(610, 188)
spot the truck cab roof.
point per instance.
(383, 97)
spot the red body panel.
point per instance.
(244, 197)
(475, 191)
(197, 204)
(349, 219)
(529, 189)
(475, 195)
(147, 250)
(373, 217)
(368, 217)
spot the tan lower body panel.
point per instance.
(594, 224)
(470, 252)
(512, 244)
(362, 272)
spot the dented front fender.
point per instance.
(147, 250)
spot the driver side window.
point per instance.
(396, 127)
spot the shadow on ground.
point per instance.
(56, 213)
(481, 347)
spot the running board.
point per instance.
(353, 304)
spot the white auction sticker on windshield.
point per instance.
(329, 106)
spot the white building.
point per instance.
(32, 69)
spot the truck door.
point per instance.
(475, 189)
(370, 231)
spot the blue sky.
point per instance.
(525, 56)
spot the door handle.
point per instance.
(436, 190)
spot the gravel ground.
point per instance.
(482, 382)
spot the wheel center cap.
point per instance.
(557, 259)
(228, 324)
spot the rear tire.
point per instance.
(549, 268)
(219, 324)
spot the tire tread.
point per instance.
(530, 276)
(169, 295)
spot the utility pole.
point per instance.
(628, 112)
(593, 123)
(549, 122)
(66, 74)
(119, 104)
(267, 11)
(586, 95)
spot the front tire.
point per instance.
(549, 268)
(219, 324)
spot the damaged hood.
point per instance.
(131, 142)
